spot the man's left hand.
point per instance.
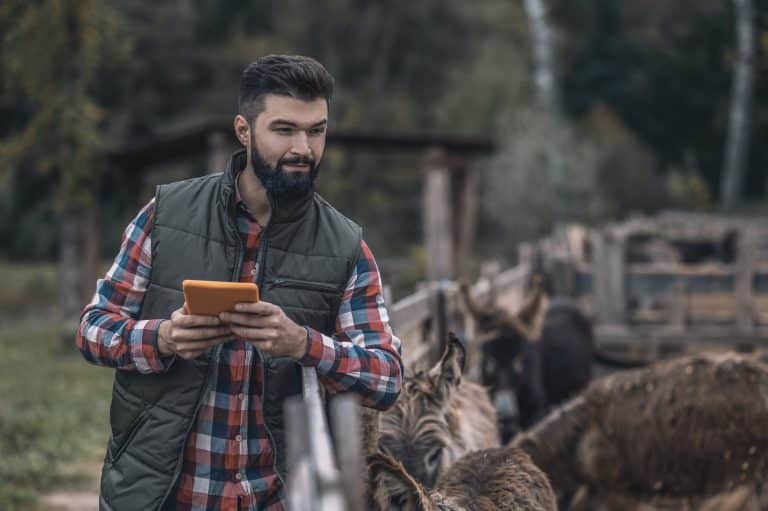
(266, 326)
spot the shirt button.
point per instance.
(241, 396)
(239, 438)
(239, 476)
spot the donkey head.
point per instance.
(421, 430)
(506, 341)
(393, 488)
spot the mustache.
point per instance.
(296, 160)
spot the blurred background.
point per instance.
(561, 111)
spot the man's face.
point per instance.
(286, 144)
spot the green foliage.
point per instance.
(54, 411)
(666, 68)
(27, 288)
(51, 58)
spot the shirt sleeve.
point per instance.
(363, 355)
(110, 332)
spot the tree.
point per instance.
(737, 144)
(53, 55)
(548, 97)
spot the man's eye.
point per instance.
(284, 131)
(317, 131)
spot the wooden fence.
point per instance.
(637, 307)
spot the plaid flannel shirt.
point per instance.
(228, 459)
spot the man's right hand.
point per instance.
(188, 335)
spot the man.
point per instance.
(196, 410)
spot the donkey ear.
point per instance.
(532, 308)
(392, 486)
(447, 372)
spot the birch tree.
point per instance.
(547, 97)
(737, 143)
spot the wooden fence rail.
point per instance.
(632, 304)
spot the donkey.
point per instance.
(690, 433)
(438, 418)
(537, 357)
(498, 479)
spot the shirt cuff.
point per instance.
(144, 351)
(320, 352)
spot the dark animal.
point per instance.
(537, 357)
(438, 418)
(691, 433)
(500, 479)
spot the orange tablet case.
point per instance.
(209, 297)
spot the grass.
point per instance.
(27, 286)
(53, 413)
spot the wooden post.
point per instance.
(439, 320)
(300, 490)
(608, 278)
(345, 417)
(437, 218)
(746, 262)
(489, 271)
(678, 308)
(464, 216)
(329, 495)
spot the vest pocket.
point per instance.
(116, 449)
(303, 285)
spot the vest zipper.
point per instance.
(260, 270)
(211, 368)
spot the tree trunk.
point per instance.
(70, 277)
(737, 145)
(544, 72)
(548, 99)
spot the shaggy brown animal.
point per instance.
(438, 418)
(500, 479)
(691, 433)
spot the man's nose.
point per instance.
(300, 143)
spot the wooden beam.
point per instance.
(137, 156)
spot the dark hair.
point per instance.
(296, 76)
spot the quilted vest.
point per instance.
(306, 256)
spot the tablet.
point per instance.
(211, 297)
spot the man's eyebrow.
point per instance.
(285, 122)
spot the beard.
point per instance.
(281, 184)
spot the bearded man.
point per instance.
(196, 412)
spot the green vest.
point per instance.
(306, 257)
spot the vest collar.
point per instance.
(283, 210)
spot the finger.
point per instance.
(187, 346)
(200, 334)
(191, 355)
(192, 320)
(263, 345)
(264, 308)
(250, 320)
(266, 334)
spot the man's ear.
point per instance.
(447, 372)
(242, 130)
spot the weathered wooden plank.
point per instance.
(438, 228)
(608, 274)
